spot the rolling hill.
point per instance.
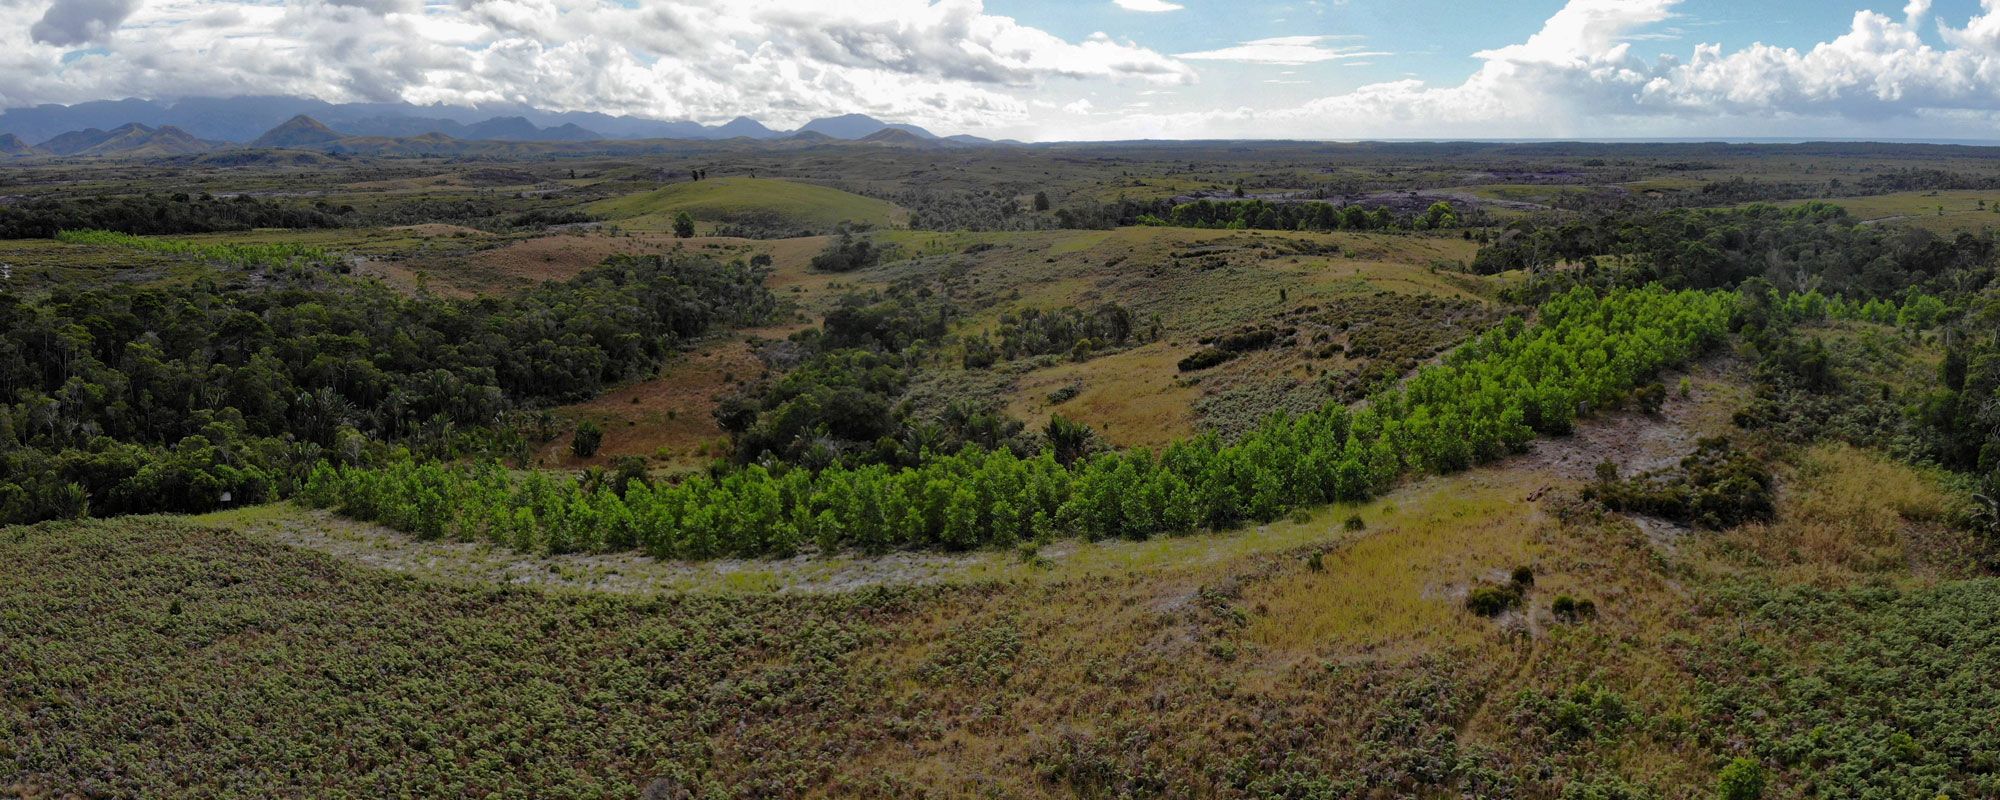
(767, 201)
(130, 139)
(857, 126)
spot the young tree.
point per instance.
(587, 439)
(683, 225)
(1041, 201)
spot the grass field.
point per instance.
(793, 204)
(1945, 212)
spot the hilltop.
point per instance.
(130, 139)
(299, 131)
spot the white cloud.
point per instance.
(951, 64)
(946, 62)
(1287, 50)
(1577, 76)
(1152, 6)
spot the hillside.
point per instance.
(300, 131)
(768, 202)
(129, 140)
(11, 146)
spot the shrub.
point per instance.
(1717, 486)
(1490, 600)
(1742, 779)
(587, 439)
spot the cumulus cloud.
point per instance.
(1287, 50)
(951, 63)
(73, 22)
(1577, 75)
(1151, 6)
(945, 62)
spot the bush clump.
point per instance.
(1717, 486)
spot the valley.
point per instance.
(865, 463)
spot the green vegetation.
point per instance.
(159, 214)
(1716, 486)
(1809, 247)
(988, 410)
(1489, 398)
(142, 655)
(765, 207)
(1300, 216)
(185, 398)
(1063, 331)
(247, 256)
(1863, 692)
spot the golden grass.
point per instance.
(1403, 583)
(1845, 513)
(1133, 398)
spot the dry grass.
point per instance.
(1847, 513)
(669, 419)
(1133, 398)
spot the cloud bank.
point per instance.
(782, 60)
(952, 64)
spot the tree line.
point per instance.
(246, 256)
(1585, 351)
(1299, 216)
(1803, 248)
(130, 399)
(150, 214)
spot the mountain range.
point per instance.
(244, 120)
(304, 138)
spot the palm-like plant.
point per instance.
(1986, 507)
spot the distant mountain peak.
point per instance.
(857, 126)
(299, 131)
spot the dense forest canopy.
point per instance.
(242, 389)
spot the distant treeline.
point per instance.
(181, 213)
(152, 214)
(995, 210)
(1309, 215)
(1799, 248)
(125, 399)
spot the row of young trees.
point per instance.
(245, 256)
(118, 398)
(1488, 398)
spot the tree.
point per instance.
(1071, 440)
(1742, 779)
(1041, 201)
(683, 225)
(587, 439)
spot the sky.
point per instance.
(1082, 69)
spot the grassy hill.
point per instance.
(767, 202)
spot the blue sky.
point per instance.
(1087, 69)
